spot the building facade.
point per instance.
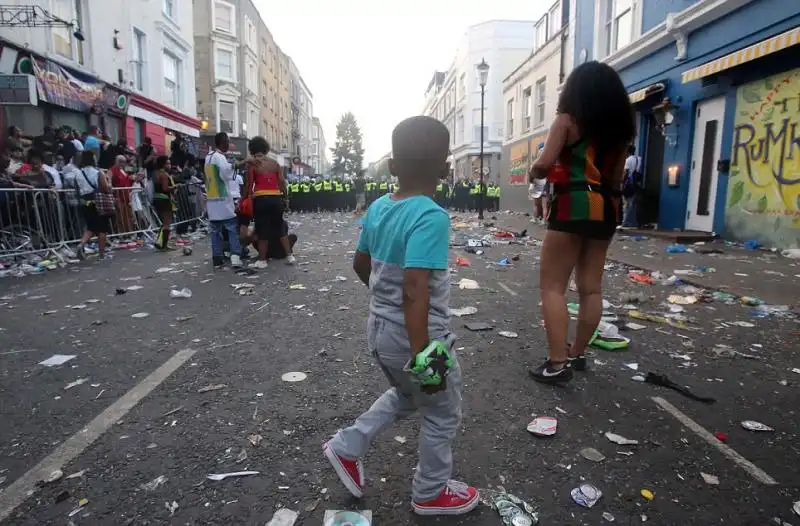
(530, 99)
(454, 96)
(715, 87)
(302, 110)
(270, 90)
(319, 148)
(132, 74)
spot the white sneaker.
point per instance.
(261, 264)
(290, 259)
(236, 261)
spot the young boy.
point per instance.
(402, 256)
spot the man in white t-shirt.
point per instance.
(221, 190)
(631, 188)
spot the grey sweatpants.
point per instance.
(440, 412)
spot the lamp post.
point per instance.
(483, 74)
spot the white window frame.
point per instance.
(540, 102)
(252, 118)
(77, 50)
(250, 35)
(170, 16)
(178, 81)
(251, 75)
(540, 33)
(462, 86)
(527, 109)
(604, 28)
(227, 5)
(460, 128)
(510, 118)
(232, 101)
(139, 76)
(554, 20)
(234, 73)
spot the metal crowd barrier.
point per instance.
(44, 222)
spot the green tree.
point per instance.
(348, 154)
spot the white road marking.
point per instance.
(507, 288)
(754, 471)
(6, 353)
(18, 491)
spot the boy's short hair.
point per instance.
(420, 146)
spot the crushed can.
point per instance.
(513, 511)
(586, 495)
(187, 251)
(543, 426)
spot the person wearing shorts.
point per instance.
(89, 182)
(583, 160)
(265, 182)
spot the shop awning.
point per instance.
(748, 54)
(640, 95)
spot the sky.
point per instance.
(376, 57)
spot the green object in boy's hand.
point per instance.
(432, 364)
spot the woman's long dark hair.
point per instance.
(596, 98)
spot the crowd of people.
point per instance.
(402, 256)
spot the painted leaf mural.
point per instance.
(763, 200)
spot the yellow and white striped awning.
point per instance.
(762, 49)
(640, 95)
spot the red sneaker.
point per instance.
(351, 472)
(456, 499)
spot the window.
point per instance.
(225, 65)
(226, 113)
(510, 118)
(250, 34)
(541, 86)
(476, 127)
(462, 86)
(526, 110)
(252, 123)
(618, 24)
(264, 51)
(224, 18)
(540, 33)
(460, 128)
(170, 9)
(138, 131)
(554, 20)
(172, 88)
(64, 43)
(139, 46)
(251, 80)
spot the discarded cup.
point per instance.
(543, 426)
(586, 495)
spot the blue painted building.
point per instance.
(716, 89)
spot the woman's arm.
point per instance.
(248, 182)
(556, 139)
(102, 182)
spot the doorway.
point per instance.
(653, 168)
(703, 175)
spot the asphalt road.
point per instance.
(151, 421)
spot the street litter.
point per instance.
(78, 307)
(297, 286)
(637, 315)
(154, 484)
(57, 359)
(53, 477)
(635, 326)
(182, 293)
(508, 334)
(647, 494)
(172, 507)
(49, 312)
(140, 315)
(463, 311)
(400, 439)
(478, 326)
(637, 378)
(710, 479)
(663, 381)
(586, 495)
(283, 517)
(513, 511)
(745, 324)
(468, 284)
(76, 475)
(543, 426)
(632, 366)
(607, 516)
(796, 507)
(639, 277)
(682, 300)
(341, 278)
(752, 425)
(293, 377)
(223, 476)
(796, 370)
(342, 518)
(621, 440)
(239, 286)
(255, 440)
(213, 387)
(298, 307)
(590, 453)
(161, 270)
(131, 288)
(324, 289)
(462, 262)
(76, 383)
(81, 504)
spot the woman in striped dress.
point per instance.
(583, 159)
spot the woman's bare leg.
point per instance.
(589, 278)
(286, 245)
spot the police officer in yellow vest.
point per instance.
(293, 193)
(383, 188)
(302, 197)
(326, 199)
(349, 196)
(318, 200)
(338, 199)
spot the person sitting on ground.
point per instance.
(264, 179)
(402, 255)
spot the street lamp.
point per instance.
(483, 74)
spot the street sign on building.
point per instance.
(16, 90)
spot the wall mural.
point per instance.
(518, 165)
(763, 199)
